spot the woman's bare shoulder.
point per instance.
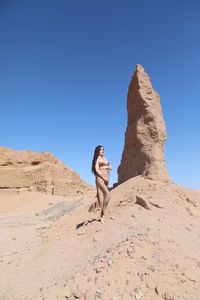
(99, 159)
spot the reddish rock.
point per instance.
(145, 135)
(31, 171)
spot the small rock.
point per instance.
(89, 279)
(138, 296)
(81, 232)
(76, 292)
(144, 257)
(191, 279)
(109, 250)
(99, 269)
(152, 268)
(110, 263)
(98, 292)
(67, 294)
(166, 296)
(157, 290)
(150, 284)
(118, 290)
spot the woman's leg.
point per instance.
(98, 199)
(103, 190)
(106, 200)
(99, 193)
(108, 196)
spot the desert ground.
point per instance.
(148, 247)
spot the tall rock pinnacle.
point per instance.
(145, 135)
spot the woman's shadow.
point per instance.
(85, 223)
(95, 206)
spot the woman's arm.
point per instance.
(109, 166)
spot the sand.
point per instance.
(52, 248)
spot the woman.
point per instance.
(100, 168)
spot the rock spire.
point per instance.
(145, 135)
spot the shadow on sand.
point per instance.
(85, 223)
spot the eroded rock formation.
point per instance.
(145, 135)
(30, 171)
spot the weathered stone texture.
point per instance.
(145, 135)
(30, 171)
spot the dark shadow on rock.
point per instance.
(140, 201)
(155, 204)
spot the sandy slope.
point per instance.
(139, 253)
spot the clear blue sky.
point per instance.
(65, 67)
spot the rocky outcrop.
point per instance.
(30, 171)
(145, 135)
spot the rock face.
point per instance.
(145, 135)
(30, 171)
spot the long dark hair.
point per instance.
(96, 154)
